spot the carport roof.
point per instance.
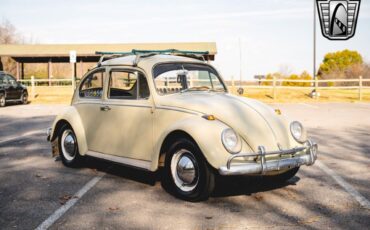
(86, 52)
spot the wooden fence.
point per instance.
(274, 84)
(315, 85)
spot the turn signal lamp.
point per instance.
(209, 117)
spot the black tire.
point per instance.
(2, 100)
(69, 152)
(204, 178)
(281, 178)
(24, 98)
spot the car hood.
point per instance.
(255, 122)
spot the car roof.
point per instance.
(148, 61)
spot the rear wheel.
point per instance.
(187, 174)
(2, 100)
(68, 147)
(24, 98)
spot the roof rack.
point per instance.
(147, 53)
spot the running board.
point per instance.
(122, 160)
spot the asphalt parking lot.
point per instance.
(334, 193)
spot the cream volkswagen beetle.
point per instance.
(153, 110)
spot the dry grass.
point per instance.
(302, 95)
(51, 95)
(63, 95)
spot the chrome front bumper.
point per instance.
(263, 166)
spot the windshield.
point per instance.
(183, 77)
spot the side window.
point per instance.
(127, 85)
(2, 79)
(11, 80)
(6, 80)
(92, 85)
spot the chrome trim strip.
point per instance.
(177, 109)
(126, 105)
(93, 101)
(123, 160)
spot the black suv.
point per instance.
(11, 90)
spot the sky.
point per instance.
(272, 35)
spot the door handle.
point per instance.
(105, 108)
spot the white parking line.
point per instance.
(60, 211)
(17, 137)
(351, 190)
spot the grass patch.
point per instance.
(302, 95)
(51, 95)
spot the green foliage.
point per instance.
(268, 77)
(271, 77)
(339, 62)
(303, 76)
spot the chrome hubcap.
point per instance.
(184, 170)
(2, 100)
(68, 145)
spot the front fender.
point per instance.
(206, 134)
(72, 117)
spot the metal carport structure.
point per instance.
(59, 53)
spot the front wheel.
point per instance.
(187, 174)
(2, 100)
(68, 147)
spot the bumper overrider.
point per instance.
(48, 133)
(282, 162)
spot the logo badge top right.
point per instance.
(338, 18)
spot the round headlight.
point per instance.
(231, 141)
(298, 132)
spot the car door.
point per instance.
(14, 87)
(127, 115)
(10, 91)
(88, 105)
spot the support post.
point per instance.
(73, 76)
(22, 71)
(316, 88)
(75, 70)
(18, 70)
(360, 88)
(33, 87)
(49, 72)
(274, 87)
(233, 91)
(81, 68)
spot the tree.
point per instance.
(304, 76)
(8, 35)
(336, 64)
(270, 76)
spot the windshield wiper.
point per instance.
(216, 90)
(195, 88)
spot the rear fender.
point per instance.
(71, 117)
